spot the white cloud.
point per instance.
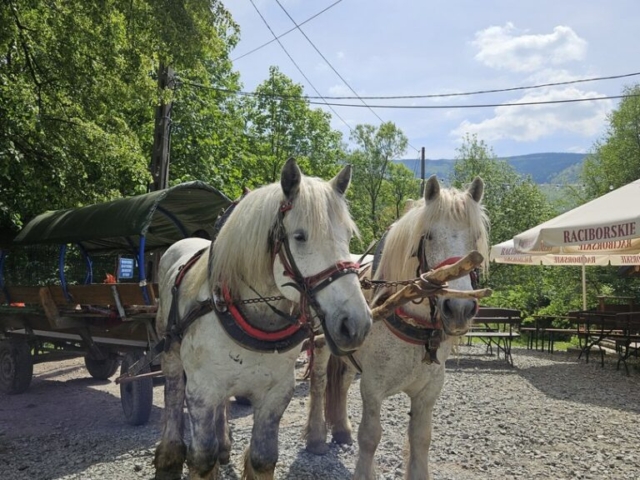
(340, 90)
(532, 122)
(510, 49)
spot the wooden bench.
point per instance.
(496, 326)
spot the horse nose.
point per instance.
(459, 308)
(353, 332)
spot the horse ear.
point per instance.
(476, 189)
(290, 178)
(342, 180)
(431, 188)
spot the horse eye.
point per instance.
(300, 236)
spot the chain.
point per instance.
(367, 284)
(249, 301)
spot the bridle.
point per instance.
(309, 286)
(423, 267)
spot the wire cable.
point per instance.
(486, 105)
(364, 104)
(483, 92)
(286, 33)
(298, 67)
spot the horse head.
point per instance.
(456, 225)
(313, 261)
(441, 227)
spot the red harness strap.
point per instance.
(254, 331)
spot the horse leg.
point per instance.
(171, 451)
(224, 434)
(204, 410)
(369, 434)
(261, 456)
(340, 376)
(315, 432)
(420, 428)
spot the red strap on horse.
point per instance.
(253, 331)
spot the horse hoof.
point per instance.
(318, 448)
(343, 438)
(168, 475)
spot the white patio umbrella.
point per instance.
(604, 231)
(609, 224)
(505, 252)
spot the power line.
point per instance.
(486, 105)
(440, 95)
(482, 92)
(298, 67)
(331, 66)
(286, 33)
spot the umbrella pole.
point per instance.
(584, 288)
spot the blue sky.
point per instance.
(420, 47)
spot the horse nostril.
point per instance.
(447, 311)
(347, 330)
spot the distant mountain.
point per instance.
(543, 167)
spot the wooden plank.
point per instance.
(26, 295)
(102, 294)
(56, 321)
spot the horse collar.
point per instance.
(431, 338)
(247, 335)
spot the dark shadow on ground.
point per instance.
(306, 466)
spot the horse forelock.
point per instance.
(452, 205)
(242, 251)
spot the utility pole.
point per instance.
(422, 166)
(161, 136)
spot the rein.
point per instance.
(308, 287)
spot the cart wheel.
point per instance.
(102, 369)
(16, 366)
(137, 395)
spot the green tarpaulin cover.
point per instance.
(162, 217)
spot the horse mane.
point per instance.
(399, 258)
(242, 250)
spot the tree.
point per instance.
(281, 124)
(402, 185)
(375, 149)
(615, 159)
(77, 92)
(514, 204)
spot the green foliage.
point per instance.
(373, 170)
(77, 94)
(615, 159)
(281, 124)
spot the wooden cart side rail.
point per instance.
(20, 295)
(103, 294)
(95, 294)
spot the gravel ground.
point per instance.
(550, 417)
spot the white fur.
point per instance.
(456, 224)
(216, 367)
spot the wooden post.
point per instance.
(422, 172)
(161, 137)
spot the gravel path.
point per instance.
(550, 417)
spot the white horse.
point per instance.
(406, 352)
(287, 241)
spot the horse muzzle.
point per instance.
(456, 315)
(347, 334)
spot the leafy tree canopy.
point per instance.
(77, 92)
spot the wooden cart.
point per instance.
(56, 316)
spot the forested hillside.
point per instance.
(543, 167)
